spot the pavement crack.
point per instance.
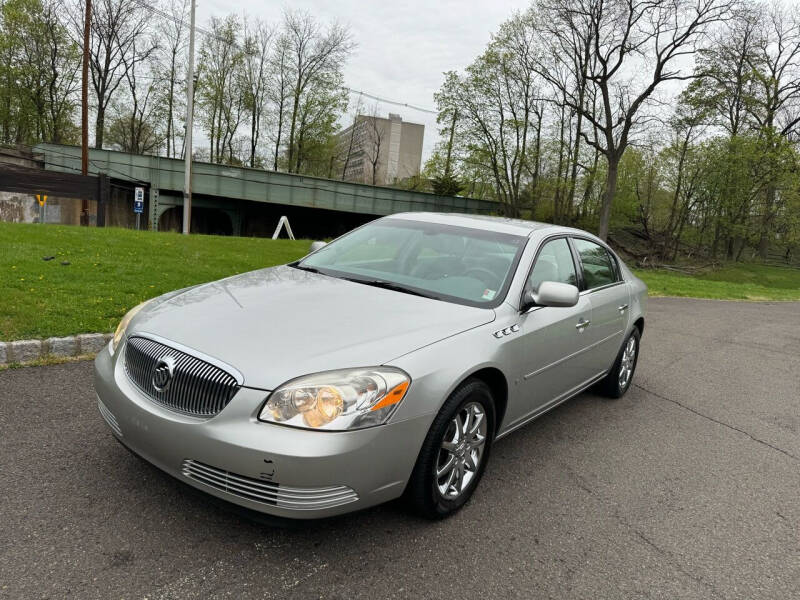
(718, 422)
(674, 560)
(614, 512)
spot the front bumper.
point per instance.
(278, 470)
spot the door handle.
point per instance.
(582, 324)
(622, 308)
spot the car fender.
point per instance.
(438, 369)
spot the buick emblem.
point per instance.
(162, 375)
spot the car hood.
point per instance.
(279, 323)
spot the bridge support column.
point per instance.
(236, 221)
(154, 212)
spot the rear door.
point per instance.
(608, 296)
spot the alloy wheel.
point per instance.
(461, 451)
(627, 363)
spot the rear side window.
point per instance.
(598, 266)
(554, 263)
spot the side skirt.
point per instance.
(557, 402)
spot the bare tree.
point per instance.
(173, 32)
(498, 99)
(315, 136)
(628, 37)
(257, 50)
(137, 128)
(347, 149)
(116, 25)
(314, 53)
(279, 90)
(49, 77)
(724, 80)
(375, 135)
(775, 63)
(220, 93)
(565, 64)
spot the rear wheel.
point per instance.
(454, 454)
(618, 380)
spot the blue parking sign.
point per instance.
(138, 201)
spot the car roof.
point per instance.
(483, 222)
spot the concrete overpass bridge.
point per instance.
(243, 201)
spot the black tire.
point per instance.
(610, 384)
(422, 492)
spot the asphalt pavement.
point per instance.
(688, 487)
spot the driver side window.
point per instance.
(554, 263)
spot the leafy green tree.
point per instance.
(39, 73)
(496, 100)
(221, 93)
(314, 58)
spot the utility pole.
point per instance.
(187, 184)
(87, 24)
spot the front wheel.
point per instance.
(618, 380)
(454, 454)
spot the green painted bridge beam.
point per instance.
(165, 175)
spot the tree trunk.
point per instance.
(717, 236)
(450, 144)
(557, 195)
(349, 147)
(573, 176)
(295, 108)
(171, 99)
(212, 132)
(608, 197)
(99, 126)
(766, 222)
(253, 140)
(538, 163)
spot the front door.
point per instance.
(552, 338)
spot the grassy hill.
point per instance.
(111, 270)
(736, 281)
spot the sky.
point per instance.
(404, 47)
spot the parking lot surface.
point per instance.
(686, 488)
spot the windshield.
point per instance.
(458, 264)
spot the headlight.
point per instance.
(123, 325)
(338, 400)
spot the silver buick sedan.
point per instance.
(384, 364)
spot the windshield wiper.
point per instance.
(305, 268)
(388, 285)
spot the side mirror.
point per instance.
(551, 293)
(317, 245)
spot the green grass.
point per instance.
(110, 271)
(739, 281)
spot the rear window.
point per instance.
(598, 265)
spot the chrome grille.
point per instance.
(196, 387)
(266, 491)
(109, 417)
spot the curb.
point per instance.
(25, 351)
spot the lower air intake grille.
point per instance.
(177, 380)
(266, 491)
